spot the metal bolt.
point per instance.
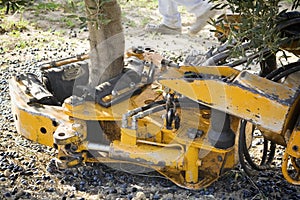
(132, 85)
(295, 148)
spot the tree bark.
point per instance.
(106, 37)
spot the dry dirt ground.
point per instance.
(45, 33)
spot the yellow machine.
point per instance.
(191, 124)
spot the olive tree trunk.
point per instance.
(106, 40)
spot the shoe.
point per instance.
(201, 21)
(162, 29)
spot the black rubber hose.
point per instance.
(281, 69)
(242, 140)
(263, 164)
(241, 148)
(264, 160)
(264, 157)
(286, 73)
(153, 104)
(272, 153)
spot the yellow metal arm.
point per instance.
(247, 96)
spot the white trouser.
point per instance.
(171, 16)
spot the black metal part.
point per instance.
(36, 89)
(268, 64)
(138, 50)
(177, 121)
(170, 118)
(169, 63)
(171, 112)
(62, 81)
(129, 79)
(190, 76)
(220, 134)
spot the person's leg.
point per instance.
(197, 7)
(202, 11)
(169, 11)
(171, 23)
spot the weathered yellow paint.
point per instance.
(148, 154)
(224, 71)
(36, 123)
(284, 168)
(192, 157)
(90, 111)
(292, 152)
(34, 127)
(293, 147)
(188, 161)
(128, 137)
(249, 97)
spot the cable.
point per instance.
(280, 70)
(286, 73)
(245, 156)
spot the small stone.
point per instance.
(24, 182)
(156, 197)
(27, 173)
(129, 196)
(134, 189)
(113, 191)
(123, 191)
(45, 177)
(7, 173)
(50, 189)
(82, 183)
(14, 191)
(140, 196)
(7, 194)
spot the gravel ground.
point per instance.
(27, 170)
